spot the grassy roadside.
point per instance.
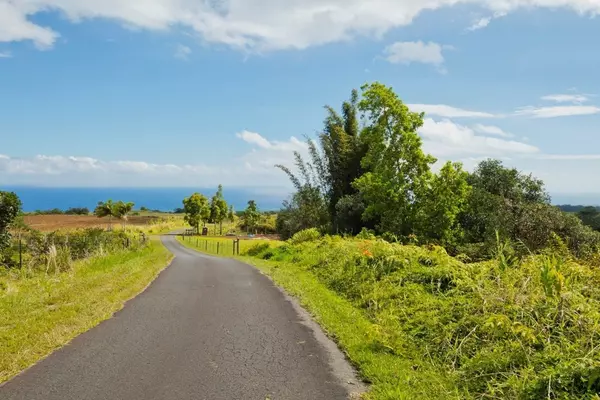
(42, 313)
(208, 244)
(391, 377)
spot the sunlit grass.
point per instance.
(41, 313)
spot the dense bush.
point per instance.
(508, 328)
(307, 235)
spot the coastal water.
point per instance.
(164, 199)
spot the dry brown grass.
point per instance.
(49, 223)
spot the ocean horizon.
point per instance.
(163, 199)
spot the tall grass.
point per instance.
(435, 327)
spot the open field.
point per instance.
(43, 312)
(49, 223)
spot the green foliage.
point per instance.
(306, 209)
(307, 235)
(219, 209)
(251, 216)
(10, 207)
(509, 328)
(77, 211)
(197, 209)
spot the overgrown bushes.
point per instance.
(509, 328)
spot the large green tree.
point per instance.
(398, 170)
(10, 207)
(197, 210)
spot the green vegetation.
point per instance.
(41, 312)
(197, 210)
(10, 206)
(421, 324)
(119, 210)
(374, 175)
(224, 247)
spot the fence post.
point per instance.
(233, 252)
(218, 247)
(205, 244)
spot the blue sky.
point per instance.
(195, 93)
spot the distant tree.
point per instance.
(590, 216)
(251, 216)
(179, 210)
(306, 209)
(77, 211)
(218, 208)
(122, 210)
(106, 209)
(10, 207)
(197, 209)
(142, 208)
(231, 214)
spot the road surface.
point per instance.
(207, 328)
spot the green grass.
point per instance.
(41, 313)
(224, 245)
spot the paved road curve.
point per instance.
(207, 328)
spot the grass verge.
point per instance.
(222, 246)
(42, 313)
(391, 377)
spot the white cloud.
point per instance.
(558, 111)
(414, 52)
(446, 139)
(254, 168)
(491, 130)
(252, 25)
(566, 98)
(5, 54)
(480, 24)
(446, 111)
(255, 138)
(182, 52)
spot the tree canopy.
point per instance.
(197, 210)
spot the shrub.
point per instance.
(307, 235)
(511, 328)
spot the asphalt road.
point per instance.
(207, 328)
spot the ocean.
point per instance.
(164, 199)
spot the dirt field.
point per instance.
(48, 223)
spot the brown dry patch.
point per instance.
(49, 223)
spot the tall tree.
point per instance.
(251, 216)
(197, 209)
(218, 208)
(10, 207)
(333, 165)
(398, 169)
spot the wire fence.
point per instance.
(33, 249)
(224, 247)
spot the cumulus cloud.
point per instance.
(252, 25)
(5, 54)
(446, 139)
(442, 110)
(557, 111)
(257, 139)
(414, 52)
